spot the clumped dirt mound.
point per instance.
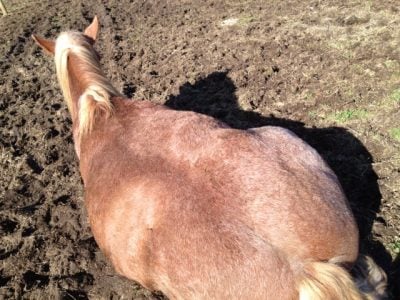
(328, 71)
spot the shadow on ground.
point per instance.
(345, 154)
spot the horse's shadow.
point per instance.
(345, 154)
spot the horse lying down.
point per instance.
(181, 203)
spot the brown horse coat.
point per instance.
(215, 210)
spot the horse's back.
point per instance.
(191, 195)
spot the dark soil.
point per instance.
(328, 70)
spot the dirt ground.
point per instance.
(328, 70)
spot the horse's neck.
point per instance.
(77, 86)
(77, 83)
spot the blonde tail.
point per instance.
(328, 281)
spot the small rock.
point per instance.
(229, 22)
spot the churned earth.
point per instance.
(328, 70)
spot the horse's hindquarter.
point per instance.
(313, 213)
(174, 193)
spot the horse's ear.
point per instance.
(92, 30)
(47, 45)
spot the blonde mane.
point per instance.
(99, 90)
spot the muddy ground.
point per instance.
(328, 70)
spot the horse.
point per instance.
(184, 204)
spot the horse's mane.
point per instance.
(99, 90)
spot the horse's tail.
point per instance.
(329, 281)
